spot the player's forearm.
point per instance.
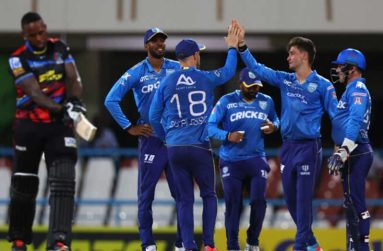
(40, 99)
(73, 81)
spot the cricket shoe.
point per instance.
(208, 248)
(60, 247)
(314, 247)
(179, 249)
(251, 248)
(18, 245)
(151, 248)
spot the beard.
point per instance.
(154, 54)
(249, 95)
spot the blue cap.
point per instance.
(152, 33)
(352, 57)
(248, 78)
(188, 47)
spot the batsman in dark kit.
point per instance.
(48, 90)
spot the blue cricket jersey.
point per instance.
(303, 104)
(144, 81)
(232, 113)
(184, 102)
(352, 119)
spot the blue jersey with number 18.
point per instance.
(183, 103)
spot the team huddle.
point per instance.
(175, 100)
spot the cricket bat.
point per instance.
(84, 128)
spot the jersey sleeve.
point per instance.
(224, 74)
(19, 69)
(216, 118)
(65, 50)
(264, 73)
(273, 117)
(115, 95)
(330, 100)
(358, 100)
(156, 111)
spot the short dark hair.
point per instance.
(30, 17)
(303, 44)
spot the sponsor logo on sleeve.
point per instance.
(357, 100)
(16, 66)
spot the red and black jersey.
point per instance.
(48, 68)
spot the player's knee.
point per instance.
(62, 177)
(205, 195)
(24, 186)
(258, 202)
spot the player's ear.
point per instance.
(23, 35)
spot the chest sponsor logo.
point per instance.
(287, 82)
(232, 105)
(312, 87)
(225, 172)
(263, 105)
(50, 76)
(150, 87)
(183, 80)
(149, 158)
(247, 115)
(341, 105)
(146, 78)
(298, 96)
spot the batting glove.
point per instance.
(337, 160)
(72, 110)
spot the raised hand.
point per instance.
(232, 36)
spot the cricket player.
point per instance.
(48, 102)
(183, 104)
(350, 133)
(240, 120)
(144, 79)
(305, 96)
